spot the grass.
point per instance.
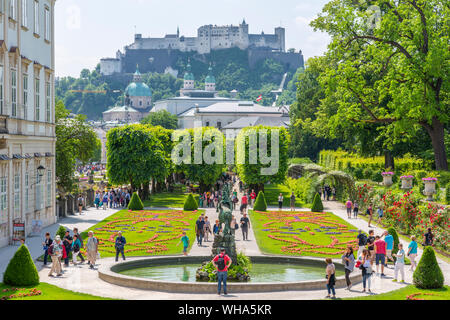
(48, 292)
(272, 191)
(147, 232)
(402, 294)
(285, 225)
(167, 200)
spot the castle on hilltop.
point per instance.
(160, 54)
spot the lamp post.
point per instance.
(40, 171)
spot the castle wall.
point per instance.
(290, 61)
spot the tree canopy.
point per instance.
(161, 118)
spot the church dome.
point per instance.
(138, 89)
(189, 75)
(210, 77)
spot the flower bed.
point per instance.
(303, 233)
(147, 232)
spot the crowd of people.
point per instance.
(114, 198)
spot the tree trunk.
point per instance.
(388, 160)
(146, 190)
(436, 132)
(153, 186)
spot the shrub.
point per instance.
(394, 235)
(317, 205)
(190, 204)
(447, 193)
(260, 202)
(21, 270)
(135, 203)
(428, 274)
(61, 232)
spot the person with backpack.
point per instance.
(46, 245)
(349, 261)
(222, 262)
(245, 225)
(428, 238)
(76, 246)
(76, 233)
(56, 252)
(331, 277)
(120, 245)
(91, 249)
(67, 242)
(362, 241)
(355, 210)
(80, 204)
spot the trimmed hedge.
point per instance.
(190, 204)
(21, 270)
(317, 205)
(61, 232)
(135, 203)
(428, 274)
(260, 202)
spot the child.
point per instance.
(400, 264)
(185, 241)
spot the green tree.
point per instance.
(428, 274)
(392, 72)
(317, 205)
(21, 270)
(135, 203)
(135, 156)
(190, 204)
(75, 140)
(260, 202)
(161, 118)
(254, 170)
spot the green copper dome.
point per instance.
(138, 89)
(189, 75)
(210, 77)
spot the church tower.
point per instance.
(188, 79)
(210, 80)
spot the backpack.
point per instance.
(221, 263)
(50, 250)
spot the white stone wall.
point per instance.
(110, 66)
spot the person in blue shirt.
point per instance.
(389, 239)
(120, 246)
(185, 241)
(412, 252)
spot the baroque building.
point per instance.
(27, 115)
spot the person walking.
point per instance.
(75, 232)
(80, 204)
(97, 200)
(217, 228)
(362, 241)
(67, 242)
(207, 229)
(366, 269)
(46, 245)
(333, 191)
(233, 225)
(222, 262)
(355, 210)
(292, 201)
(349, 261)
(120, 245)
(199, 224)
(105, 201)
(412, 252)
(244, 203)
(245, 225)
(400, 263)
(380, 253)
(371, 246)
(331, 277)
(349, 205)
(389, 239)
(76, 246)
(185, 240)
(56, 252)
(280, 201)
(380, 214)
(428, 238)
(91, 249)
(252, 198)
(370, 213)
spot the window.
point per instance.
(39, 202)
(17, 195)
(47, 102)
(37, 98)
(27, 187)
(219, 124)
(25, 95)
(12, 9)
(3, 199)
(1, 90)
(47, 24)
(207, 124)
(49, 188)
(14, 93)
(25, 13)
(36, 17)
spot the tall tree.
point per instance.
(75, 140)
(161, 118)
(403, 47)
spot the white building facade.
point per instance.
(27, 115)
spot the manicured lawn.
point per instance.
(272, 191)
(148, 232)
(167, 200)
(48, 292)
(296, 233)
(402, 294)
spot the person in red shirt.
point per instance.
(222, 262)
(380, 253)
(253, 197)
(244, 203)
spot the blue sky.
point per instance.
(87, 30)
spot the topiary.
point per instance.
(260, 202)
(135, 203)
(190, 204)
(61, 232)
(317, 205)
(394, 235)
(428, 274)
(21, 270)
(447, 193)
